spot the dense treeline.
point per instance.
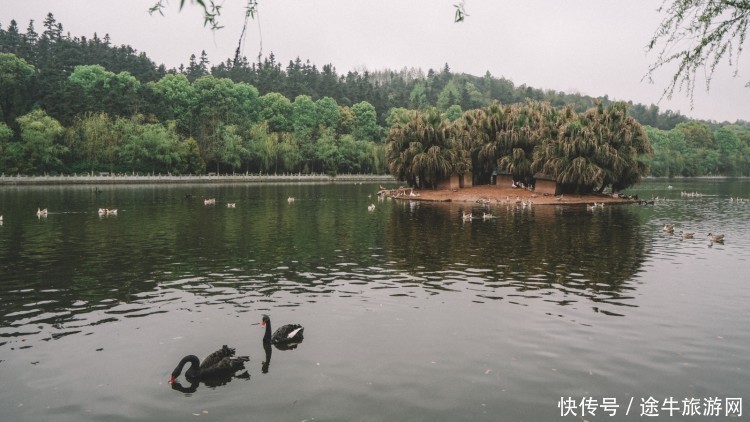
(63, 111)
(78, 104)
(699, 149)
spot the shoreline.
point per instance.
(493, 195)
(483, 194)
(167, 179)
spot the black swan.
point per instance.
(290, 333)
(218, 364)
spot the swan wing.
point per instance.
(217, 357)
(288, 332)
(224, 367)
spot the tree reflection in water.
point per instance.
(530, 250)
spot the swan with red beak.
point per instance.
(290, 333)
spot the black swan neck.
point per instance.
(192, 360)
(267, 336)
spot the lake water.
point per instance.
(409, 312)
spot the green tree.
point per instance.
(191, 161)
(304, 117)
(570, 158)
(366, 122)
(506, 136)
(89, 77)
(288, 153)
(421, 149)
(261, 147)
(94, 141)
(523, 128)
(449, 96)
(41, 148)
(599, 148)
(663, 162)
(175, 99)
(105, 91)
(221, 102)
(682, 159)
(697, 134)
(6, 134)
(16, 77)
(418, 96)
(328, 111)
(327, 153)
(276, 110)
(134, 148)
(148, 146)
(231, 150)
(346, 121)
(733, 152)
(453, 113)
(625, 145)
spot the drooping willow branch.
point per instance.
(696, 36)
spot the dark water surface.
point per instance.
(409, 312)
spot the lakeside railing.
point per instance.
(112, 178)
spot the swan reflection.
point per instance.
(266, 363)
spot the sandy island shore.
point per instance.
(499, 195)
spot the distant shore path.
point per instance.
(168, 179)
(481, 193)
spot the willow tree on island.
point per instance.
(422, 150)
(599, 148)
(510, 134)
(593, 150)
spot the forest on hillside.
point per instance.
(78, 104)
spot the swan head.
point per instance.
(192, 360)
(266, 322)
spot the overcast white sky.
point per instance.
(593, 47)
